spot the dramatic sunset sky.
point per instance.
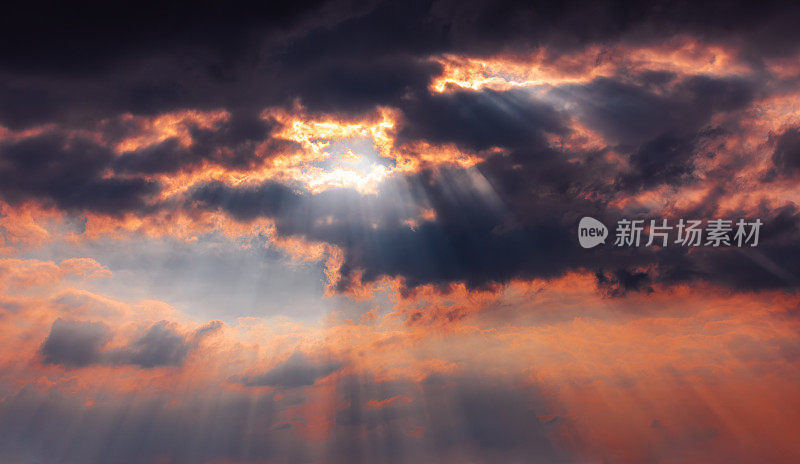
(346, 232)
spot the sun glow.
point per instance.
(334, 153)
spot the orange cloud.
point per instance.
(683, 55)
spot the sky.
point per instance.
(348, 232)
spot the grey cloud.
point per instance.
(159, 346)
(75, 344)
(297, 371)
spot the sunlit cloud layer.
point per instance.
(335, 232)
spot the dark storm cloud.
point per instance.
(233, 144)
(231, 57)
(74, 344)
(481, 120)
(482, 27)
(662, 130)
(630, 114)
(297, 371)
(773, 264)
(93, 63)
(166, 156)
(505, 220)
(475, 237)
(88, 37)
(786, 156)
(622, 281)
(84, 38)
(357, 85)
(666, 159)
(484, 232)
(68, 172)
(269, 199)
(71, 171)
(512, 216)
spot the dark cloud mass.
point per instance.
(68, 172)
(233, 144)
(511, 216)
(481, 120)
(629, 113)
(786, 156)
(242, 55)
